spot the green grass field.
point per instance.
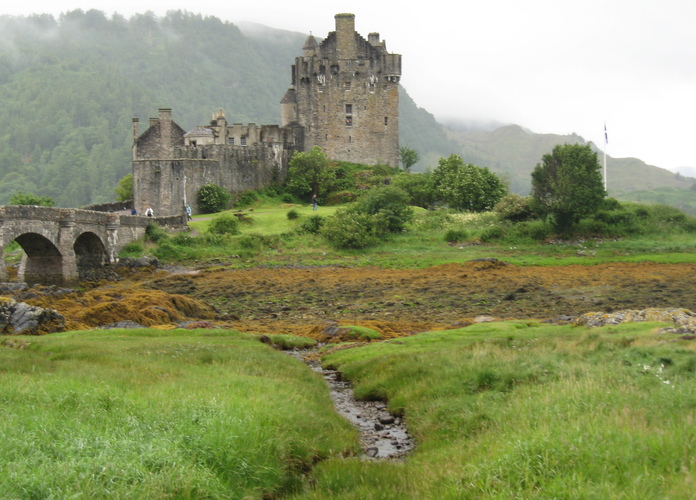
(498, 410)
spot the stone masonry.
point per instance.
(344, 98)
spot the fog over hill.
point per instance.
(70, 86)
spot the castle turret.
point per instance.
(345, 95)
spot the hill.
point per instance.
(514, 152)
(69, 88)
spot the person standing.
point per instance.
(149, 212)
(314, 202)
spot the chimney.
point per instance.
(165, 122)
(136, 122)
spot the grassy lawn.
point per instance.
(159, 414)
(498, 410)
(512, 410)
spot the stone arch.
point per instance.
(90, 253)
(42, 262)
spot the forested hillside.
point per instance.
(69, 88)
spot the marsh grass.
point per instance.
(152, 414)
(520, 410)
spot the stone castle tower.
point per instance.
(345, 95)
(344, 98)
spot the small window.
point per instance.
(349, 109)
(230, 141)
(386, 121)
(243, 141)
(349, 121)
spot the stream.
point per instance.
(383, 436)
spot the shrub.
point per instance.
(183, 240)
(246, 198)
(391, 203)
(351, 229)
(258, 242)
(312, 224)
(224, 224)
(514, 207)
(492, 233)
(433, 220)
(154, 233)
(133, 249)
(455, 235)
(213, 199)
(293, 214)
(341, 198)
(287, 198)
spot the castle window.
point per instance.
(346, 85)
(243, 141)
(349, 121)
(230, 141)
(349, 109)
(386, 121)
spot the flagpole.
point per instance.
(606, 141)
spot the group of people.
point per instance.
(148, 211)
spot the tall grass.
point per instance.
(512, 410)
(152, 414)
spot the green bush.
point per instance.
(246, 198)
(340, 198)
(154, 233)
(312, 224)
(514, 207)
(351, 229)
(455, 235)
(293, 214)
(133, 249)
(433, 220)
(389, 202)
(224, 224)
(212, 199)
(183, 240)
(493, 233)
(287, 198)
(258, 242)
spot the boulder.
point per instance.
(20, 317)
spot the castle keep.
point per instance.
(344, 98)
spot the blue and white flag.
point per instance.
(606, 137)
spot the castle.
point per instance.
(344, 98)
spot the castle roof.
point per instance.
(199, 131)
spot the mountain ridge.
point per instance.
(69, 88)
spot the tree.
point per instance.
(212, 199)
(419, 187)
(409, 157)
(124, 190)
(568, 185)
(20, 198)
(388, 202)
(309, 172)
(464, 186)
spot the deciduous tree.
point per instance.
(464, 186)
(568, 185)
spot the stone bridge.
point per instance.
(61, 244)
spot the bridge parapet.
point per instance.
(61, 244)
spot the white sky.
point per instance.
(553, 66)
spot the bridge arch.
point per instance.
(90, 253)
(42, 262)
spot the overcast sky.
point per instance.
(552, 66)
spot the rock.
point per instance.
(386, 420)
(20, 317)
(127, 324)
(371, 452)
